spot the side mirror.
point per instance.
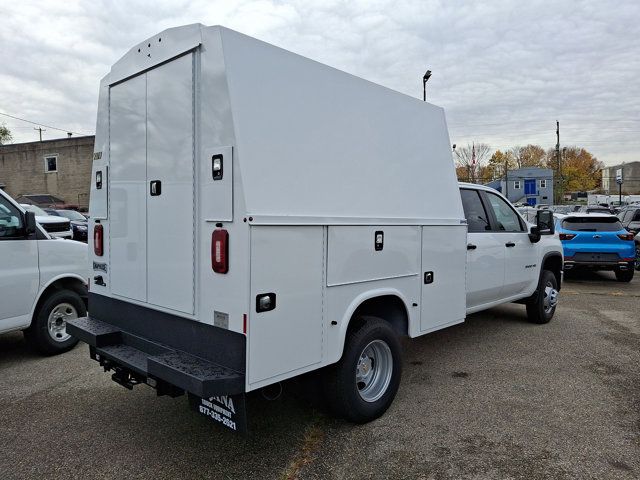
(29, 223)
(545, 222)
(534, 234)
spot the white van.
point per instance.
(42, 280)
(256, 215)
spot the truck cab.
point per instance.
(505, 254)
(42, 280)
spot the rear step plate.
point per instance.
(146, 358)
(195, 375)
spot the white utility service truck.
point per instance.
(256, 215)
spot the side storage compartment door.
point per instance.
(443, 276)
(287, 262)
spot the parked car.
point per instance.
(78, 222)
(564, 209)
(45, 200)
(57, 227)
(637, 242)
(595, 209)
(596, 242)
(42, 281)
(630, 219)
(528, 213)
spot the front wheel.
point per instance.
(48, 330)
(362, 385)
(542, 306)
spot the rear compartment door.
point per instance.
(152, 186)
(128, 189)
(170, 209)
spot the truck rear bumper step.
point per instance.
(152, 362)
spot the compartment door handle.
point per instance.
(155, 188)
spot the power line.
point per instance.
(42, 124)
(533, 122)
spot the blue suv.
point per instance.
(596, 242)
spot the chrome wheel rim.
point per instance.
(57, 322)
(550, 298)
(374, 370)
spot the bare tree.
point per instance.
(473, 159)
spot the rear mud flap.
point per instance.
(226, 410)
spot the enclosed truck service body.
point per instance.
(256, 215)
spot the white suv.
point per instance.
(42, 281)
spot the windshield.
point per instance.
(585, 224)
(37, 210)
(72, 215)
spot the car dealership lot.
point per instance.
(496, 397)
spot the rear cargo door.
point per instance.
(170, 248)
(152, 186)
(128, 189)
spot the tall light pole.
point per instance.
(425, 79)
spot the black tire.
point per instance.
(625, 275)
(637, 257)
(538, 308)
(343, 391)
(38, 334)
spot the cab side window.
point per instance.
(477, 218)
(10, 220)
(508, 220)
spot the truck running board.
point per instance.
(135, 359)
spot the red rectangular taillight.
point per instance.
(98, 240)
(625, 236)
(567, 236)
(220, 251)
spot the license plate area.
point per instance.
(596, 257)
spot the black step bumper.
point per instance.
(170, 353)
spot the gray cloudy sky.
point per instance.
(503, 70)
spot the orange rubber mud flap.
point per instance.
(226, 410)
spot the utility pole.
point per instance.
(40, 129)
(559, 162)
(506, 179)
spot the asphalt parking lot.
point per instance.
(493, 398)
